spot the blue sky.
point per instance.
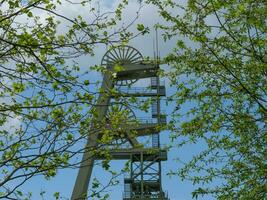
(176, 189)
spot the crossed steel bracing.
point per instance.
(144, 180)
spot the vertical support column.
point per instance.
(156, 113)
(159, 121)
(142, 174)
(82, 181)
(131, 176)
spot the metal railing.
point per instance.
(162, 120)
(155, 140)
(128, 196)
(154, 81)
(140, 90)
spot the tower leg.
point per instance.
(85, 171)
(82, 181)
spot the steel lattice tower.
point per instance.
(144, 180)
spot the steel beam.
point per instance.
(136, 71)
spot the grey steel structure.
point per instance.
(144, 180)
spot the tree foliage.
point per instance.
(43, 87)
(219, 68)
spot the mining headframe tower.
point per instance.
(144, 181)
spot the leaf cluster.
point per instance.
(218, 68)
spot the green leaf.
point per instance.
(29, 14)
(86, 82)
(140, 27)
(56, 195)
(118, 68)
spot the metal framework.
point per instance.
(144, 181)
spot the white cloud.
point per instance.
(13, 122)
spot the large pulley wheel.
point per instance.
(121, 109)
(122, 55)
(127, 115)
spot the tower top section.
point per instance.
(128, 65)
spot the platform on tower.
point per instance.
(148, 154)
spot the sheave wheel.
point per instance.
(122, 55)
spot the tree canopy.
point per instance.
(219, 68)
(43, 87)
